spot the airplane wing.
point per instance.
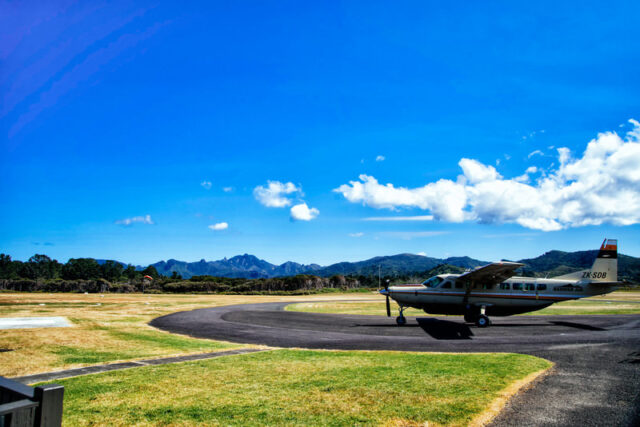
(493, 273)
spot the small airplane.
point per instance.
(495, 290)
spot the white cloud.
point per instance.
(206, 185)
(422, 253)
(525, 176)
(635, 132)
(302, 212)
(446, 199)
(136, 219)
(219, 226)
(380, 159)
(227, 189)
(535, 153)
(601, 186)
(400, 218)
(531, 169)
(356, 234)
(273, 195)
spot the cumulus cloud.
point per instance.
(219, 226)
(422, 253)
(136, 219)
(302, 212)
(356, 234)
(525, 176)
(445, 199)
(206, 185)
(274, 194)
(380, 159)
(600, 186)
(227, 189)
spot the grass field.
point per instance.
(296, 387)
(105, 328)
(273, 387)
(614, 303)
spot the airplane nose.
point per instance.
(384, 292)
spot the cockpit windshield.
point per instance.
(433, 282)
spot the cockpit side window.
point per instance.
(433, 282)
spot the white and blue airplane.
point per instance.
(494, 290)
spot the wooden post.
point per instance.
(49, 413)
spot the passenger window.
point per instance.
(458, 285)
(517, 286)
(446, 285)
(530, 287)
(542, 287)
(504, 286)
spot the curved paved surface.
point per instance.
(596, 380)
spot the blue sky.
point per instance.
(136, 132)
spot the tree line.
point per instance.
(41, 273)
(42, 267)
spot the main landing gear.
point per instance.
(478, 317)
(401, 320)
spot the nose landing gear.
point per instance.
(401, 320)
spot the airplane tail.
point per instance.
(604, 269)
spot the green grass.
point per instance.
(296, 387)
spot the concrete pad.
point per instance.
(33, 322)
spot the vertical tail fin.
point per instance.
(605, 267)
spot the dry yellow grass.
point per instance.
(619, 296)
(108, 328)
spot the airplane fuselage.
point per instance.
(494, 290)
(513, 296)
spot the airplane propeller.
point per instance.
(386, 288)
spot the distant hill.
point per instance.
(395, 264)
(240, 266)
(557, 263)
(252, 267)
(550, 264)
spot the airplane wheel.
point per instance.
(483, 321)
(401, 320)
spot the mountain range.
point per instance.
(553, 263)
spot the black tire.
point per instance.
(483, 321)
(401, 320)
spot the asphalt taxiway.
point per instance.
(596, 379)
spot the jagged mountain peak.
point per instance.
(250, 266)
